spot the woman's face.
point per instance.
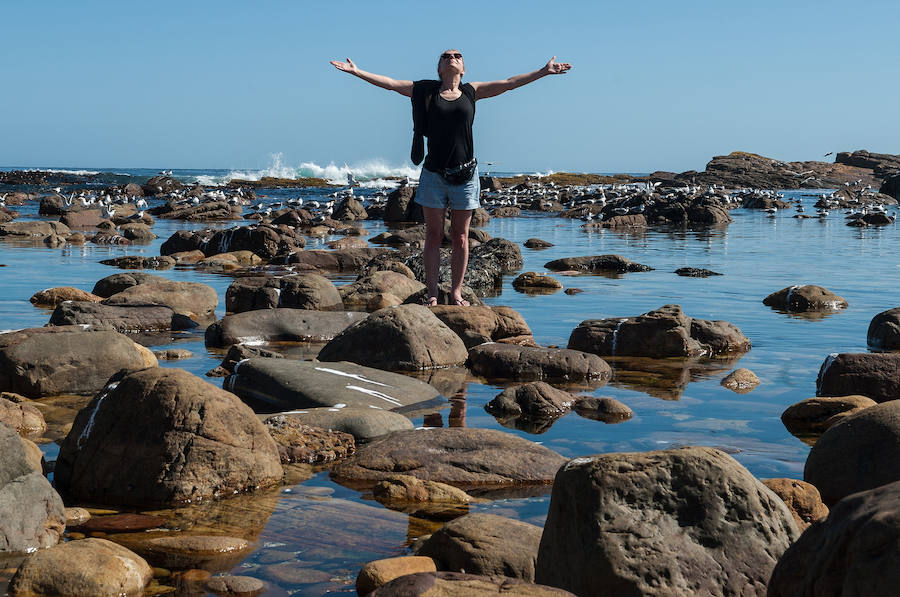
(451, 59)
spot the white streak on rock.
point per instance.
(86, 432)
(376, 394)
(824, 369)
(353, 375)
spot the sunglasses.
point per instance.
(448, 56)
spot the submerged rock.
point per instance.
(597, 263)
(805, 297)
(686, 521)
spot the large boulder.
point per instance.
(463, 457)
(484, 544)
(288, 384)
(874, 375)
(527, 363)
(855, 551)
(476, 325)
(405, 338)
(401, 207)
(884, 330)
(191, 299)
(661, 333)
(597, 263)
(379, 289)
(265, 241)
(66, 360)
(125, 318)
(163, 437)
(815, 415)
(346, 260)
(116, 283)
(298, 291)
(34, 229)
(32, 515)
(95, 567)
(690, 521)
(861, 452)
(805, 297)
(279, 325)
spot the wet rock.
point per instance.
(298, 291)
(691, 520)
(350, 209)
(525, 363)
(116, 283)
(400, 206)
(364, 424)
(464, 457)
(347, 260)
(664, 332)
(404, 489)
(204, 211)
(740, 381)
(32, 515)
(76, 516)
(173, 354)
(38, 362)
(375, 574)
(191, 299)
(264, 241)
(51, 297)
(856, 454)
(25, 418)
(137, 231)
(138, 262)
(298, 442)
(532, 281)
(34, 229)
(279, 325)
(161, 184)
(183, 550)
(608, 410)
(404, 338)
(536, 399)
(288, 384)
(126, 318)
(120, 523)
(188, 257)
(852, 552)
(536, 243)
(485, 544)
(815, 415)
(476, 325)
(874, 375)
(235, 586)
(884, 330)
(506, 211)
(95, 567)
(805, 297)
(458, 583)
(801, 498)
(380, 289)
(174, 438)
(597, 263)
(693, 272)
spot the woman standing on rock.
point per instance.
(444, 111)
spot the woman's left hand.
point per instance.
(557, 68)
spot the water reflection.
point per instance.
(665, 378)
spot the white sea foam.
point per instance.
(61, 171)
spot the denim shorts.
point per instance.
(433, 191)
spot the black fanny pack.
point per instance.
(461, 174)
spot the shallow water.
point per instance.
(322, 527)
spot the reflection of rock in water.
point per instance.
(448, 381)
(664, 378)
(528, 424)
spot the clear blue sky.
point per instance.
(654, 85)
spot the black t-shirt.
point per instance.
(450, 129)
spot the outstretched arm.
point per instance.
(401, 87)
(493, 88)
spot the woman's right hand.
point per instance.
(347, 67)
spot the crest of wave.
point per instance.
(275, 169)
(371, 173)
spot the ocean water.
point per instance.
(312, 536)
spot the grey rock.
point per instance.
(274, 325)
(876, 375)
(309, 291)
(364, 424)
(125, 318)
(527, 363)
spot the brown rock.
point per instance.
(801, 498)
(406, 488)
(458, 584)
(119, 523)
(476, 325)
(53, 296)
(876, 375)
(302, 443)
(740, 381)
(235, 586)
(608, 410)
(884, 330)
(532, 281)
(374, 574)
(379, 289)
(805, 297)
(498, 360)
(815, 415)
(25, 418)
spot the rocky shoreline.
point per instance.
(144, 438)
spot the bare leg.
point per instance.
(459, 258)
(431, 256)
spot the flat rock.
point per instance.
(526, 363)
(158, 262)
(597, 263)
(346, 260)
(801, 498)
(689, 521)
(405, 489)
(51, 297)
(805, 297)
(876, 375)
(288, 384)
(121, 318)
(120, 523)
(164, 437)
(485, 544)
(536, 243)
(191, 299)
(815, 415)
(235, 586)
(364, 424)
(695, 272)
(374, 574)
(856, 454)
(95, 567)
(402, 338)
(451, 584)
(298, 442)
(852, 552)
(462, 457)
(279, 325)
(40, 361)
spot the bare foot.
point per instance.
(431, 301)
(461, 302)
